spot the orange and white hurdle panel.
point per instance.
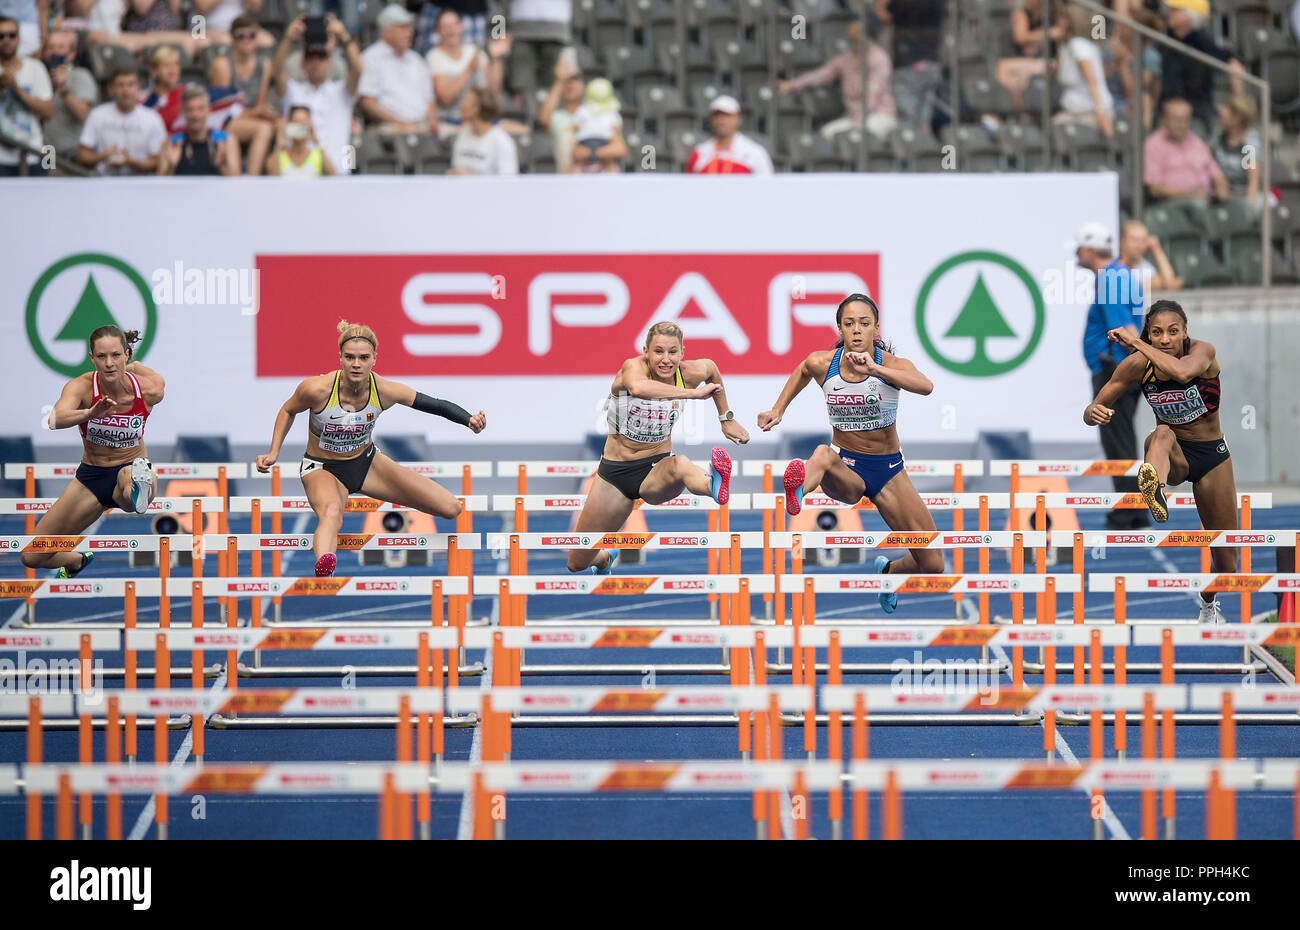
(569, 503)
(388, 782)
(174, 505)
(1120, 584)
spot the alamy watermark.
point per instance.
(204, 286)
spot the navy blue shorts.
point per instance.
(100, 481)
(874, 470)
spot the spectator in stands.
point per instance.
(166, 91)
(219, 17)
(539, 30)
(329, 100)
(557, 110)
(480, 147)
(252, 72)
(228, 112)
(1085, 98)
(26, 98)
(598, 129)
(105, 24)
(396, 87)
(846, 67)
(457, 66)
(75, 92)
(299, 154)
(1178, 165)
(1028, 36)
(729, 151)
(1237, 148)
(1141, 252)
(1118, 56)
(917, 25)
(122, 137)
(473, 17)
(1113, 307)
(1185, 79)
(199, 150)
(32, 18)
(349, 11)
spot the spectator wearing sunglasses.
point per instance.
(26, 98)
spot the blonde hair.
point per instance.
(349, 331)
(665, 328)
(163, 53)
(1244, 108)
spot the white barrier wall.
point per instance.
(522, 296)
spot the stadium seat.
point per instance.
(274, 15)
(822, 104)
(609, 24)
(699, 61)
(1282, 71)
(985, 95)
(625, 65)
(713, 19)
(794, 57)
(680, 145)
(1254, 44)
(637, 143)
(976, 149)
(702, 95)
(378, 156)
(658, 19)
(1023, 144)
(849, 147)
(1233, 223)
(917, 151)
(664, 109)
(429, 156)
(809, 151)
(1081, 148)
(1201, 270)
(727, 52)
(1036, 92)
(536, 153)
(1175, 226)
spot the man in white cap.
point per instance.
(396, 87)
(729, 151)
(1117, 304)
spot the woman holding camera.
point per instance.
(341, 458)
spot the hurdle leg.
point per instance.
(775, 752)
(85, 746)
(161, 680)
(424, 812)
(63, 809)
(810, 676)
(1096, 732)
(113, 756)
(861, 814)
(835, 739)
(1167, 801)
(1148, 753)
(1228, 751)
(1120, 654)
(35, 747)
(893, 803)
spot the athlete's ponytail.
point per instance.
(861, 298)
(128, 338)
(349, 331)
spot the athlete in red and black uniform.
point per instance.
(110, 405)
(1180, 379)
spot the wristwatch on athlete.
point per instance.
(724, 417)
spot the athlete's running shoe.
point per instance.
(1149, 485)
(325, 565)
(1211, 612)
(65, 572)
(793, 481)
(609, 566)
(141, 482)
(888, 601)
(720, 475)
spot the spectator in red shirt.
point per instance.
(846, 67)
(1178, 165)
(729, 151)
(165, 93)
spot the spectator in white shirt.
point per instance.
(26, 98)
(396, 86)
(598, 131)
(1085, 98)
(122, 137)
(457, 66)
(729, 151)
(558, 109)
(329, 100)
(480, 147)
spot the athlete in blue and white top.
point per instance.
(861, 379)
(341, 458)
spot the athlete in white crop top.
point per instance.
(110, 405)
(861, 379)
(646, 400)
(341, 458)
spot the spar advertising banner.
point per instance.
(523, 296)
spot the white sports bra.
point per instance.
(859, 406)
(640, 419)
(339, 430)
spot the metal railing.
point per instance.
(61, 164)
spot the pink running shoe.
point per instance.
(720, 475)
(793, 482)
(325, 565)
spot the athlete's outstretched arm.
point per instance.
(151, 383)
(797, 381)
(637, 383)
(730, 428)
(305, 396)
(1099, 412)
(68, 410)
(1195, 363)
(899, 372)
(407, 396)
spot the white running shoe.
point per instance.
(1211, 613)
(141, 482)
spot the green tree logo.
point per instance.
(980, 319)
(68, 302)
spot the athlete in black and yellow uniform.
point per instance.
(341, 458)
(1180, 379)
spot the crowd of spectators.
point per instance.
(437, 79)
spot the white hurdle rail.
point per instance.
(564, 503)
(944, 500)
(48, 470)
(1159, 539)
(269, 504)
(176, 505)
(936, 468)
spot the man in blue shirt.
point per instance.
(1117, 303)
